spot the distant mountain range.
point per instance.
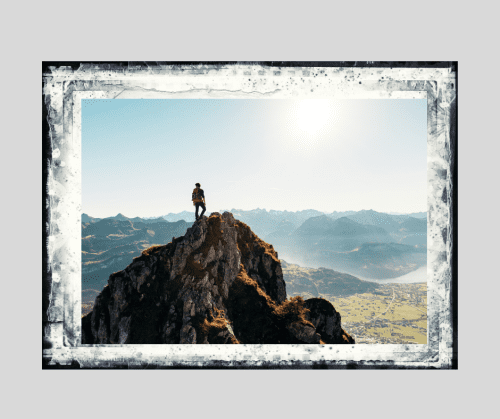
(110, 244)
(184, 215)
(365, 243)
(120, 217)
(341, 227)
(412, 214)
(266, 222)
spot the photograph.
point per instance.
(326, 210)
(291, 215)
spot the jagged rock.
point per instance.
(326, 320)
(219, 283)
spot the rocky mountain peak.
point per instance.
(219, 283)
(120, 217)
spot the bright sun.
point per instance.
(313, 114)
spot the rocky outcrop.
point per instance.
(326, 320)
(219, 283)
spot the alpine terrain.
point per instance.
(218, 283)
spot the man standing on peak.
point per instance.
(198, 198)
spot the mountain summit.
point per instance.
(219, 283)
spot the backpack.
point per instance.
(196, 196)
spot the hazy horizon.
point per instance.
(241, 209)
(141, 158)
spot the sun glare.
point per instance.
(313, 114)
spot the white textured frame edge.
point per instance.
(64, 89)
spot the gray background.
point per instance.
(412, 32)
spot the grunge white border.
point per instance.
(64, 89)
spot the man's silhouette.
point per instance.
(198, 198)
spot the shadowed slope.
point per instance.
(219, 283)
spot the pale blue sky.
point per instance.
(142, 157)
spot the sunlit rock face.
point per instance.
(219, 283)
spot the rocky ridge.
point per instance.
(217, 284)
